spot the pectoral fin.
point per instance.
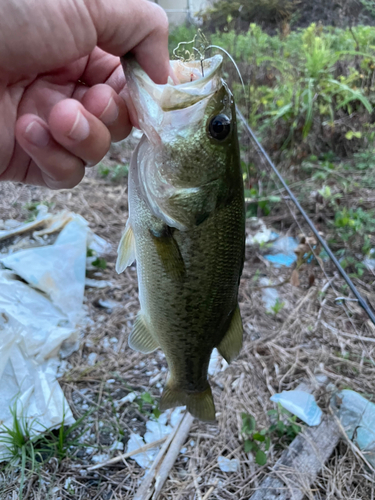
(141, 338)
(231, 344)
(191, 206)
(169, 253)
(126, 249)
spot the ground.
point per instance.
(306, 335)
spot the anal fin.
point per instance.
(231, 344)
(199, 404)
(141, 338)
(126, 249)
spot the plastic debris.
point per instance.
(270, 295)
(100, 457)
(155, 431)
(259, 233)
(117, 445)
(369, 261)
(228, 465)
(109, 304)
(357, 416)
(217, 363)
(300, 403)
(92, 283)
(40, 317)
(282, 252)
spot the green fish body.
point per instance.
(186, 227)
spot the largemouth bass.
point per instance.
(186, 226)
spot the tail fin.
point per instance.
(199, 404)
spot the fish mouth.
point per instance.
(193, 81)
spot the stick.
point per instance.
(207, 495)
(299, 465)
(143, 491)
(129, 454)
(172, 454)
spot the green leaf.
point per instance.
(258, 437)
(250, 446)
(248, 423)
(147, 398)
(272, 412)
(261, 458)
(100, 263)
(156, 412)
(267, 443)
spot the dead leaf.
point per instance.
(294, 279)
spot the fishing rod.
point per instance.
(361, 301)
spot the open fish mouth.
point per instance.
(194, 82)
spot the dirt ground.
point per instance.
(311, 335)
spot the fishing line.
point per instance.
(233, 62)
(360, 299)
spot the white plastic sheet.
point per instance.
(300, 403)
(40, 319)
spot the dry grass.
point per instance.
(311, 335)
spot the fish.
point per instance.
(186, 225)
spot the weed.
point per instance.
(257, 205)
(147, 404)
(100, 263)
(33, 209)
(31, 449)
(113, 173)
(277, 307)
(280, 432)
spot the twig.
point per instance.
(172, 454)
(143, 492)
(207, 495)
(123, 456)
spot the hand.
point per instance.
(61, 82)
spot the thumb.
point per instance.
(137, 26)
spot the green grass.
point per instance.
(29, 450)
(114, 173)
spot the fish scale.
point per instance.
(186, 234)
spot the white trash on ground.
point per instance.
(41, 299)
(282, 252)
(156, 429)
(357, 416)
(228, 465)
(300, 403)
(258, 233)
(270, 295)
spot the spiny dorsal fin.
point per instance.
(141, 338)
(126, 249)
(231, 344)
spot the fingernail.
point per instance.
(110, 113)
(81, 128)
(37, 134)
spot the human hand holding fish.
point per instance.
(61, 82)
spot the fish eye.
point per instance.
(219, 127)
